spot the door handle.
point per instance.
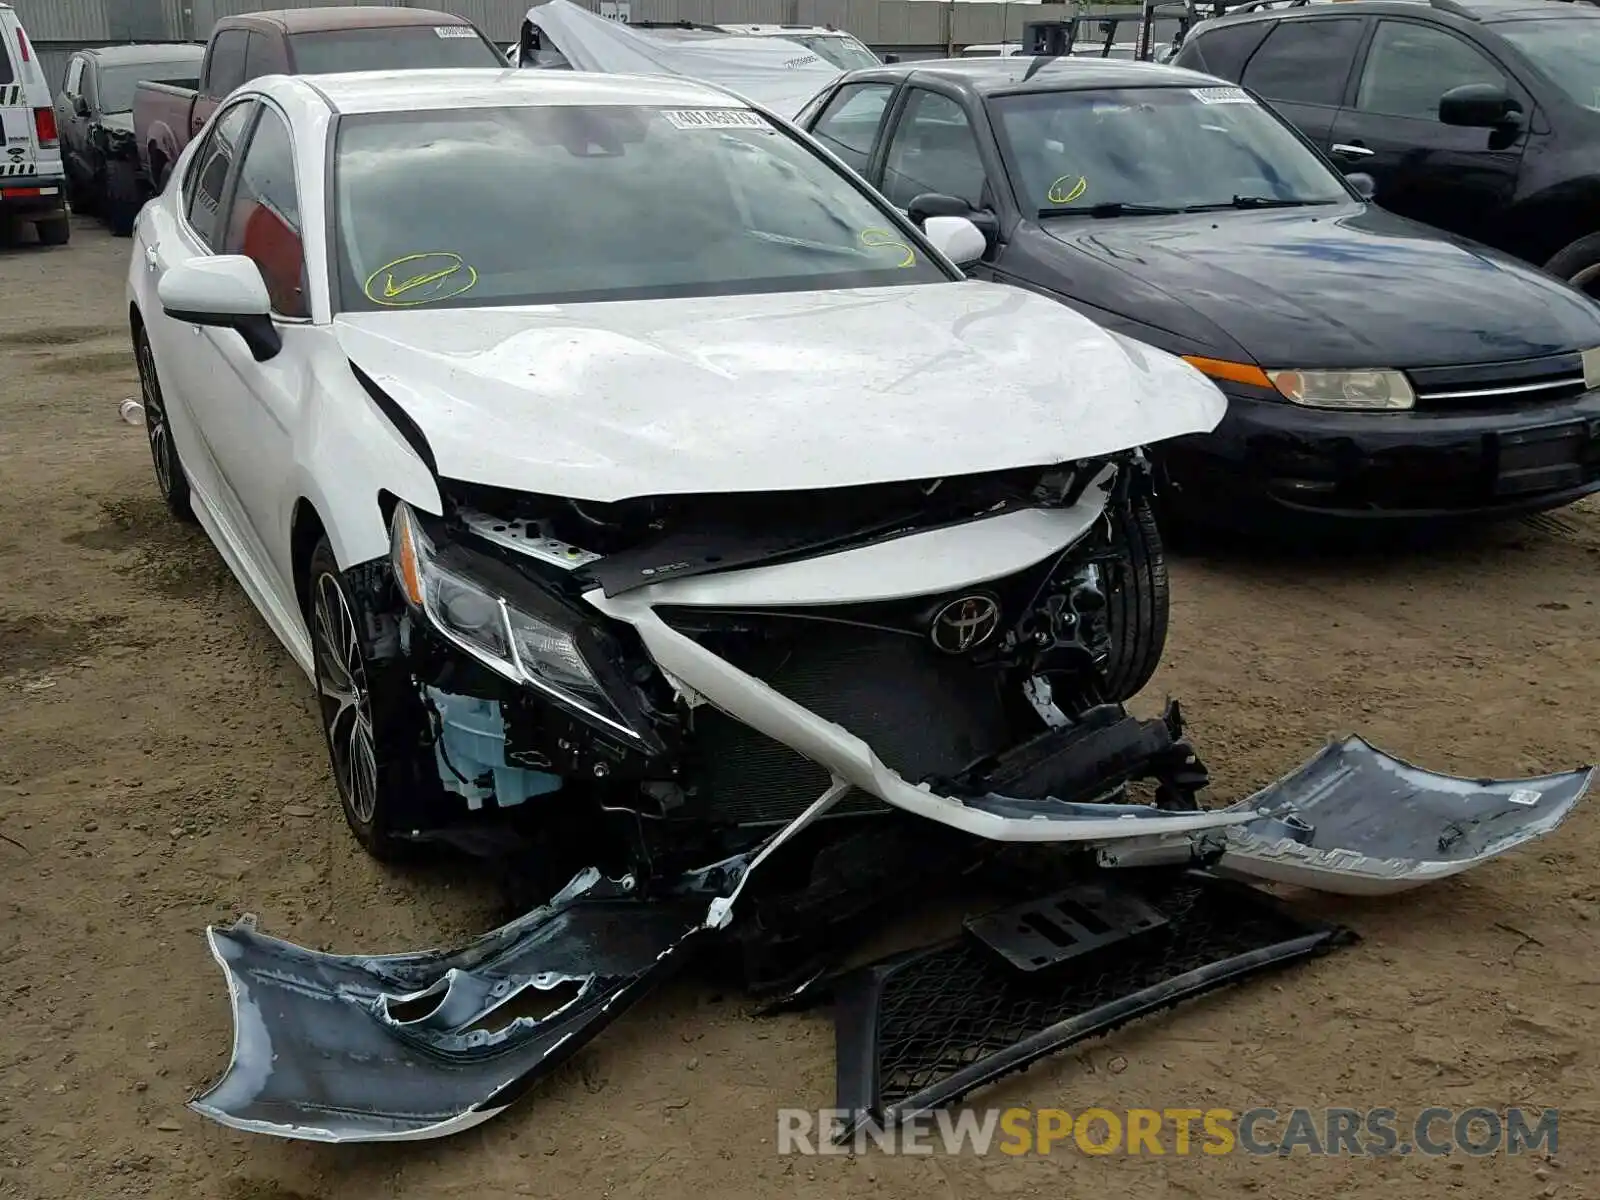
(1352, 150)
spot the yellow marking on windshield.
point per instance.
(441, 274)
(878, 239)
(1059, 194)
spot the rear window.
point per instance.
(404, 48)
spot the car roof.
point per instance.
(350, 16)
(403, 91)
(1031, 73)
(1485, 11)
(152, 52)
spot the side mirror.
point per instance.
(957, 238)
(80, 105)
(223, 292)
(928, 205)
(891, 58)
(1479, 106)
(1365, 185)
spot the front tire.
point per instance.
(369, 720)
(1579, 265)
(1138, 601)
(170, 477)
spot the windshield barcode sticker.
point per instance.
(714, 118)
(454, 31)
(1222, 95)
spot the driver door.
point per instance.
(1447, 176)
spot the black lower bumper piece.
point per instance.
(920, 1030)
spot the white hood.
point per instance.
(792, 390)
(773, 72)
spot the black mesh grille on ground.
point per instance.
(922, 712)
(922, 1030)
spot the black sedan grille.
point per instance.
(923, 713)
(1516, 384)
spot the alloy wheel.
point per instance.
(342, 693)
(155, 418)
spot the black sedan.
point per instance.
(1374, 367)
(94, 114)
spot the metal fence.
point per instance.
(912, 28)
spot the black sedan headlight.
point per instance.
(511, 633)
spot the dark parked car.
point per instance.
(1374, 366)
(94, 113)
(1479, 116)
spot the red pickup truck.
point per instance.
(306, 41)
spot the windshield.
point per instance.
(843, 52)
(1164, 148)
(392, 48)
(567, 203)
(1566, 49)
(117, 84)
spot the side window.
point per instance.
(1410, 66)
(225, 65)
(1224, 51)
(933, 150)
(208, 170)
(265, 55)
(74, 84)
(1305, 62)
(850, 122)
(264, 218)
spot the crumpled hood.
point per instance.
(604, 401)
(1350, 287)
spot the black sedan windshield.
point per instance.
(571, 202)
(1126, 150)
(1568, 49)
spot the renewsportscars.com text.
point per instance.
(1180, 1132)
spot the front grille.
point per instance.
(1515, 384)
(922, 712)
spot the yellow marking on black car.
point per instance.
(1067, 189)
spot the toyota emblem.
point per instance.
(964, 624)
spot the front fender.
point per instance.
(346, 455)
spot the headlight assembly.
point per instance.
(527, 647)
(1591, 368)
(1369, 391)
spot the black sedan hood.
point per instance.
(1320, 287)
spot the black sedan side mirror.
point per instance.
(1479, 106)
(935, 204)
(891, 58)
(1365, 185)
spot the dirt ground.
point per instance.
(161, 768)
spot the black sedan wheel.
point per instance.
(1579, 265)
(174, 484)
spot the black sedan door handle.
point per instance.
(1352, 150)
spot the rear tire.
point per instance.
(54, 231)
(1579, 265)
(1137, 600)
(81, 196)
(170, 477)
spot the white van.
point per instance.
(33, 186)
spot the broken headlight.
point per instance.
(526, 642)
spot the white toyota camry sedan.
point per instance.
(625, 472)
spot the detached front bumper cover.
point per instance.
(343, 1048)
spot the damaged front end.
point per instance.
(830, 698)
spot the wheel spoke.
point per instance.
(346, 707)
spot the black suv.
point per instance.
(1481, 117)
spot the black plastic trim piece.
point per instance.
(399, 418)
